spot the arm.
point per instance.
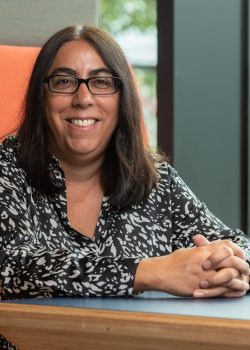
(30, 270)
(182, 271)
(191, 217)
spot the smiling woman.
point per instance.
(87, 209)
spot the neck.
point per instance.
(84, 195)
(87, 172)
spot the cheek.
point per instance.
(54, 106)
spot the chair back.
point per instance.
(16, 63)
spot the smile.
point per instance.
(82, 122)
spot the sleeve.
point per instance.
(29, 269)
(5, 344)
(190, 216)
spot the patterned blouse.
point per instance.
(41, 255)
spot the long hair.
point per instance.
(128, 171)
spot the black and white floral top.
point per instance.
(41, 255)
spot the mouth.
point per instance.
(82, 122)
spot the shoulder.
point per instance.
(9, 161)
(9, 151)
(169, 179)
(165, 171)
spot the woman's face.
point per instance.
(81, 124)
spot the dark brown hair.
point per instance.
(128, 172)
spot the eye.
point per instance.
(63, 81)
(102, 82)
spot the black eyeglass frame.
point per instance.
(117, 81)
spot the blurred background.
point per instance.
(191, 59)
(133, 25)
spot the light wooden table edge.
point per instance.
(119, 325)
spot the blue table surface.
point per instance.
(156, 302)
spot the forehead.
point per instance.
(78, 55)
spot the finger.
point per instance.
(217, 257)
(234, 294)
(210, 293)
(220, 278)
(236, 249)
(199, 240)
(217, 292)
(237, 284)
(235, 262)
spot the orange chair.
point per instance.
(16, 63)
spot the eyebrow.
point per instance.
(70, 71)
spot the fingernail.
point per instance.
(198, 294)
(204, 284)
(207, 265)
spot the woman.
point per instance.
(86, 209)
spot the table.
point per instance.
(151, 321)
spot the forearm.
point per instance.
(146, 276)
(45, 273)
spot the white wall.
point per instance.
(32, 22)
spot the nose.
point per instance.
(82, 96)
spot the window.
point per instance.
(133, 24)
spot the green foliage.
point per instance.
(120, 15)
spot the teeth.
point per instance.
(83, 122)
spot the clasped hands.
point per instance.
(228, 271)
(210, 269)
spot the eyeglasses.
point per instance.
(64, 84)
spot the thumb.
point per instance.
(200, 240)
